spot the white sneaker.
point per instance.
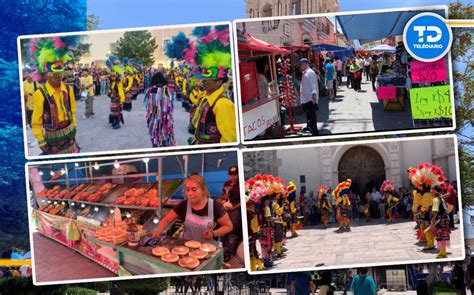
(84, 117)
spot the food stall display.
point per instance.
(90, 213)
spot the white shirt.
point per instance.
(375, 196)
(338, 64)
(309, 86)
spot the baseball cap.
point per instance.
(304, 61)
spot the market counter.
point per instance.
(141, 261)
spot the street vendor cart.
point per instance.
(260, 107)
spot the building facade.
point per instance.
(292, 32)
(267, 8)
(368, 165)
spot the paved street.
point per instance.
(373, 243)
(96, 135)
(355, 111)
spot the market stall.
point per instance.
(260, 94)
(401, 78)
(108, 210)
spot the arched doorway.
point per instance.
(364, 166)
(267, 10)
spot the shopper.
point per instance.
(338, 64)
(374, 69)
(347, 67)
(356, 72)
(363, 283)
(330, 75)
(309, 95)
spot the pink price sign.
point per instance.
(387, 92)
(427, 72)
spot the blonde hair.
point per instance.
(200, 182)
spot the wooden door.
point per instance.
(364, 166)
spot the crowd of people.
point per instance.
(52, 87)
(319, 74)
(273, 210)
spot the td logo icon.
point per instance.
(427, 37)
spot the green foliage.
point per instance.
(93, 22)
(143, 287)
(138, 45)
(463, 74)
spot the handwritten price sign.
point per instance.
(431, 102)
(427, 72)
(387, 92)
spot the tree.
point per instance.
(138, 45)
(463, 74)
(93, 22)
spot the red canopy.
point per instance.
(256, 45)
(295, 48)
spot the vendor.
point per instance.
(231, 202)
(203, 218)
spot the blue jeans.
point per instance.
(103, 87)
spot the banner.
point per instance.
(427, 72)
(386, 92)
(431, 102)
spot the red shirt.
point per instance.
(451, 199)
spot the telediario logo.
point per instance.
(427, 37)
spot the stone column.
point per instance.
(326, 166)
(393, 172)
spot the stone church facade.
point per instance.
(267, 8)
(367, 164)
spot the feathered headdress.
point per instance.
(50, 54)
(426, 175)
(342, 188)
(208, 56)
(263, 185)
(387, 186)
(113, 63)
(291, 187)
(322, 189)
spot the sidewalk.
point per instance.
(353, 111)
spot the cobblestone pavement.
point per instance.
(96, 135)
(374, 243)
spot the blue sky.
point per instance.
(139, 13)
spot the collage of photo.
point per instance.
(303, 154)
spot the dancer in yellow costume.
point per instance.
(388, 189)
(291, 198)
(342, 195)
(325, 204)
(424, 177)
(440, 222)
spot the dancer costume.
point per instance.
(291, 198)
(388, 189)
(424, 177)
(440, 216)
(115, 91)
(325, 204)
(127, 82)
(54, 113)
(341, 193)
